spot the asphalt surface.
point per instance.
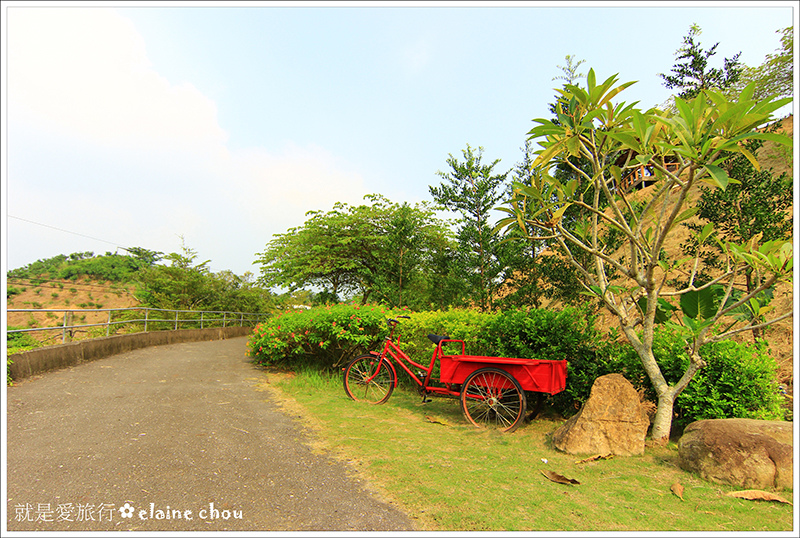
(178, 438)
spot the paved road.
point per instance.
(179, 438)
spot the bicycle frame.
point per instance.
(391, 350)
(491, 389)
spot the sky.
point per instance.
(157, 125)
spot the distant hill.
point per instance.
(108, 267)
(80, 293)
(77, 281)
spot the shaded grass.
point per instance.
(451, 476)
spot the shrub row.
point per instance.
(738, 381)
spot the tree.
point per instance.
(472, 189)
(615, 138)
(692, 74)
(334, 251)
(408, 274)
(754, 206)
(570, 71)
(551, 276)
(776, 75)
(148, 257)
(378, 249)
(187, 285)
(182, 285)
(538, 273)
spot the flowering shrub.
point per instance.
(738, 381)
(330, 335)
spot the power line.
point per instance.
(69, 232)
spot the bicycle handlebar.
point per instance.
(391, 321)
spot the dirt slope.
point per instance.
(74, 294)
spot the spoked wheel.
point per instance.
(369, 379)
(492, 398)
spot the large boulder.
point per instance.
(612, 421)
(752, 454)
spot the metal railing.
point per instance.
(67, 328)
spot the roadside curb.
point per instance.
(45, 359)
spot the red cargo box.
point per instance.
(533, 375)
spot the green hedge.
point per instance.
(547, 334)
(330, 336)
(738, 381)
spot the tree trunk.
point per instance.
(662, 424)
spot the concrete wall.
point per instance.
(45, 359)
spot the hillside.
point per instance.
(81, 293)
(780, 335)
(112, 281)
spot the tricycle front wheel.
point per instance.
(492, 398)
(369, 379)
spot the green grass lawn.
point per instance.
(451, 476)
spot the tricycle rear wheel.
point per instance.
(363, 385)
(492, 398)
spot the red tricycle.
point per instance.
(491, 389)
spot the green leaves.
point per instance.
(701, 304)
(753, 309)
(773, 256)
(664, 309)
(330, 335)
(378, 247)
(718, 176)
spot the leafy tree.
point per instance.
(776, 75)
(406, 275)
(691, 73)
(570, 71)
(148, 257)
(696, 137)
(379, 248)
(185, 284)
(335, 251)
(538, 272)
(549, 275)
(472, 189)
(182, 285)
(754, 207)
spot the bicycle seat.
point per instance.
(436, 339)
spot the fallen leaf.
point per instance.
(435, 421)
(560, 479)
(757, 495)
(595, 458)
(677, 489)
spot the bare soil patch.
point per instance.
(83, 293)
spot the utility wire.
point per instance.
(69, 232)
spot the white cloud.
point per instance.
(282, 187)
(93, 125)
(85, 71)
